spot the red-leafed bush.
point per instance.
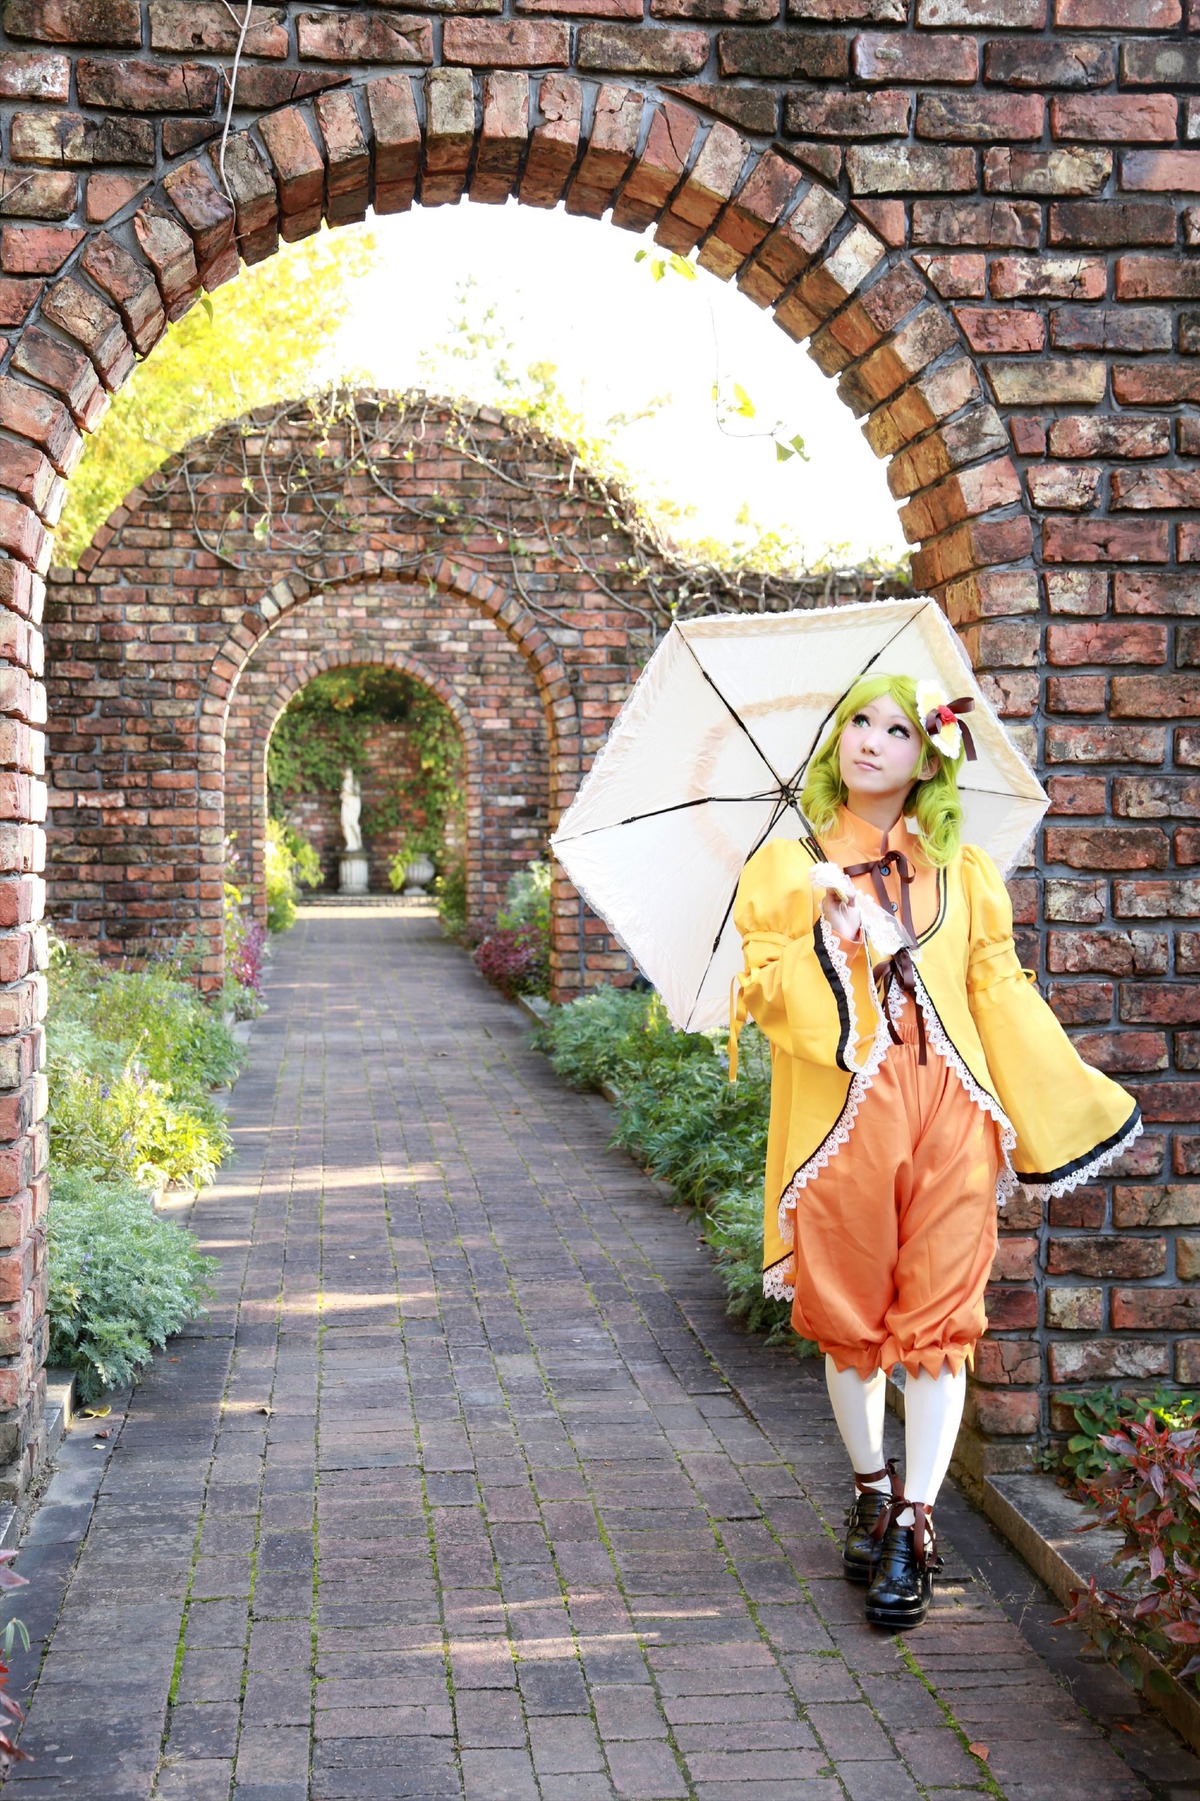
(1151, 1492)
(513, 958)
(11, 1710)
(246, 963)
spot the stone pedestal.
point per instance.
(352, 872)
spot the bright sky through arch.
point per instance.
(568, 291)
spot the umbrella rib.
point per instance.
(777, 814)
(899, 632)
(679, 806)
(733, 714)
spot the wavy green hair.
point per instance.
(934, 802)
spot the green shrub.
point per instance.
(121, 1279)
(306, 864)
(152, 1014)
(612, 1035)
(527, 901)
(693, 1128)
(278, 882)
(289, 863)
(678, 1114)
(450, 889)
(128, 1125)
(132, 1059)
(733, 1226)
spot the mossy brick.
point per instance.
(113, 23)
(129, 84)
(1071, 1309)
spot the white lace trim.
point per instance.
(1007, 1179)
(774, 1286)
(859, 1084)
(884, 932)
(1065, 1184)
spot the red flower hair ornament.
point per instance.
(942, 723)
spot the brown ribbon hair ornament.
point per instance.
(950, 713)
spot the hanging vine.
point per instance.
(319, 503)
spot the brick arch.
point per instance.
(1022, 171)
(251, 720)
(505, 827)
(487, 868)
(152, 633)
(449, 576)
(833, 268)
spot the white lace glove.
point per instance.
(839, 899)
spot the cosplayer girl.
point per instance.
(917, 1077)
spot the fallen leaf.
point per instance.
(269, 1411)
(979, 1751)
(102, 1434)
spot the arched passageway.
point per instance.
(932, 202)
(505, 778)
(523, 590)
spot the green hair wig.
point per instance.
(934, 802)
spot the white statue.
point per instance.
(351, 810)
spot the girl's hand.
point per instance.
(839, 903)
(843, 916)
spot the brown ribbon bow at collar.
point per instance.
(899, 967)
(951, 714)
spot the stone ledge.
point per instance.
(1042, 1522)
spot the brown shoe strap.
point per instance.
(888, 1470)
(924, 1537)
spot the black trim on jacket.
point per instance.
(839, 994)
(1044, 1178)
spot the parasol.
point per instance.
(706, 761)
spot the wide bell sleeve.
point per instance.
(795, 983)
(1070, 1119)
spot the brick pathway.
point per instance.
(466, 1489)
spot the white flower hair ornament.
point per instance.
(942, 723)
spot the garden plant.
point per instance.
(515, 954)
(1150, 1493)
(679, 1116)
(134, 1057)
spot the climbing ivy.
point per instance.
(326, 726)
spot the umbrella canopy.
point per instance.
(706, 760)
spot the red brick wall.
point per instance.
(980, 213)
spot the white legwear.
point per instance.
(858, 1407)
(933, 1408)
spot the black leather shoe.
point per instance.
(859, 1549)
(902, 1586)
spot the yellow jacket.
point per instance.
(1058, 1120)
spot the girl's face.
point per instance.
(880, 755)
